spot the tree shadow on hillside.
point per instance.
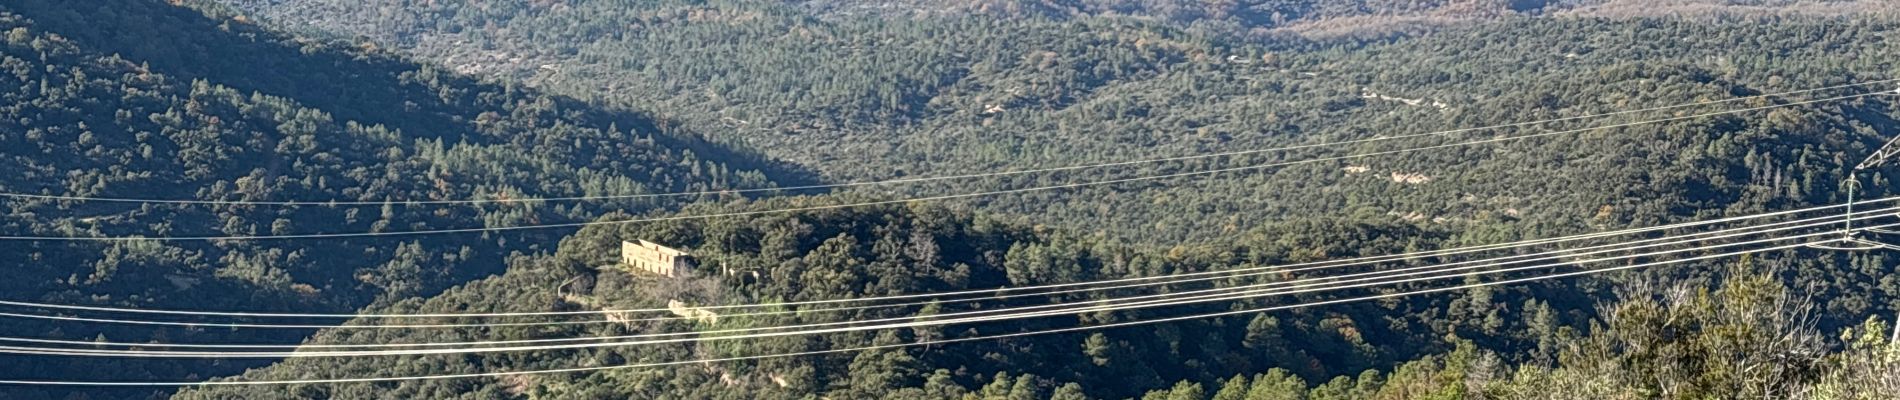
(354, 84)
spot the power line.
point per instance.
(1012, 312)
(1224, 274)
(1378, 275)
(901, 180)
(1344, 262)
(878, 347)
(1377, 281)
(900, 201)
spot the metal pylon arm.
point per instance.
(1824, 246)
(1881, 231)
(1881, 155)
(1876, 244)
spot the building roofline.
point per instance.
(661, 249)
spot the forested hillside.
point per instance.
(1544, 340)
(894, 250)
(143, 99)
(862, 97)
(409, 20)
(108, 103)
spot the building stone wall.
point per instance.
(656, 259)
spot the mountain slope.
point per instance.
(863, 97)
(143, 99)
(840, 254)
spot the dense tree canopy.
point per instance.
(142, 99)
(398, 101)
(858, 96)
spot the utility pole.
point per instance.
(1851, 184)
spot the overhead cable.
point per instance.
(914, 321)
(889, 202)
(1217, 275)
(900, 180)
(934, 342)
